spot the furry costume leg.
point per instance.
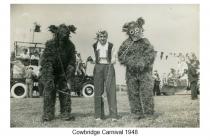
(48, 90)
(140, 93)
(49, 94)
(65, 100)
(133, 94)
(145, 88)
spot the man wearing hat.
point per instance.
(156, 88)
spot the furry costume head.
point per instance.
(62, 31)
(134, 29)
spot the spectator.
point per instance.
(193, 75)
(156, 89)
(35, 59)
(80, 70)
(25, 54)
(30, 75)
(164, 79)
(172, 77)
(184, 78)
(35, 55)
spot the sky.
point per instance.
(170, 28)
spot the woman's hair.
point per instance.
(104, 32)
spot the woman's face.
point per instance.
(102, 39)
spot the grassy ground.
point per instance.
(171, 111)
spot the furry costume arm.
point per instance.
(122, 52)
(149, 53)
(130, 55)
(72, 63)
(46, 62)
(138, 56)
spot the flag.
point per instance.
(37, 27)
(161, 55)
(166, 57)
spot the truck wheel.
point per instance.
(88, 90)
(18, 90)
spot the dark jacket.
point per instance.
(109, 55)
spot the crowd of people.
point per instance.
(31, 72)
(189, 78)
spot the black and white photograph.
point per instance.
(96, 69)
(105, 66)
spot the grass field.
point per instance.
(171, 111)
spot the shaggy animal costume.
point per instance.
(138, 55)
(57, 71)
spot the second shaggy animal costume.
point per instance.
(138, 55)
